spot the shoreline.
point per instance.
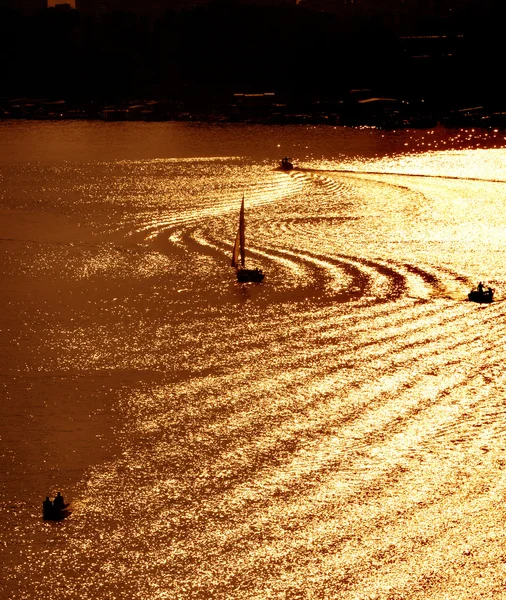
(380, 113)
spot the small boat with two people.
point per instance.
(286, 164)
(481, 295)
(55, 510)
(243, 275)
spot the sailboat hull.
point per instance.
(245, 275)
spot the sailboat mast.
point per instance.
(241, 233)
(239, 245)
(235, 251)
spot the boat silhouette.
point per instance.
(481, 295)
(55, 510)
(286, 164)
(244, 275)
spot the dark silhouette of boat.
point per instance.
(243, 275)
(55, 510)
(285, 164)
(481, 295)
(253, 275)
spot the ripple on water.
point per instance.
(334, 432)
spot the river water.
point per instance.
(337, 431)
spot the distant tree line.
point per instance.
(204, 54)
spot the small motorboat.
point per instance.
(56, 514)
(481, 295)
(55, 510)
(285, 164)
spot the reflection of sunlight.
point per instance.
(461, 164)
(337, 434)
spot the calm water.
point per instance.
(335, 432)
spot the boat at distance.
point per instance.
(286, 164)
(239, 254)
(55, 510)
(481, 295)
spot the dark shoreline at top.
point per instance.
(390, 65)
(388, 114)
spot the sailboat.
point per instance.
(243, 274)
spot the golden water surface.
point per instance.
(337, 431)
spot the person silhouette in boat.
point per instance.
(480, 288)
(286, 164)
(47, 506)
(58, 503)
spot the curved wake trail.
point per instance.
(335, 432)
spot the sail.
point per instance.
(235, 251)
(239, 240)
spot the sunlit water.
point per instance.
(337, 431)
